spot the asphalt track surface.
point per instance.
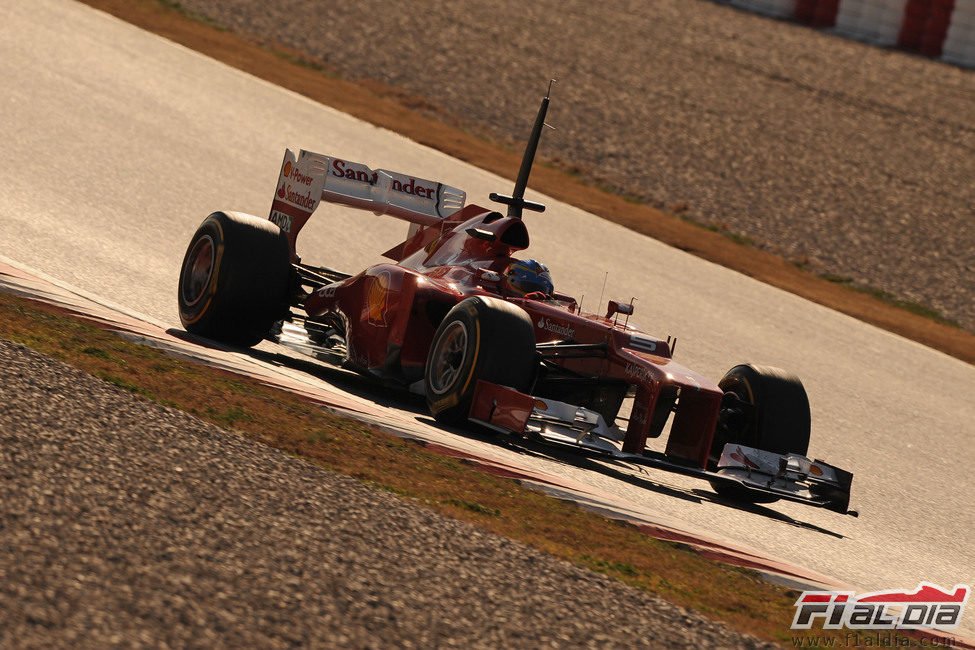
(118, 143)
(852, 159)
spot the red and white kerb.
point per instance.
(942, 29)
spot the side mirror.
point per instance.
(478, 233)
(617, 307)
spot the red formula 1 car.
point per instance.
(487, 339)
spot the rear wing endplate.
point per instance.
(309, 178)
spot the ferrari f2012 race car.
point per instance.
(487, 339)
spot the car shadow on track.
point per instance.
(367, 388)
(640, 477)
(398, 397)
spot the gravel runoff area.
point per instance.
(127, 523)
(851, 159)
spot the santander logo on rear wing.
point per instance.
(310, 178)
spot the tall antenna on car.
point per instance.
(516, 202)
(605, 277)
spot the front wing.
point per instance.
(787, 476)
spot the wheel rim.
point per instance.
(738, 420)
(198, 270)
(449, 357)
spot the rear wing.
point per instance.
(310, 178)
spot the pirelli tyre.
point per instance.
(765, 408)
(235, 277)
(480, 338)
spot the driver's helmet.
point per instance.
(524, 277)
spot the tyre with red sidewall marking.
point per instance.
(235, 277)
(764, 408)
(480, 338)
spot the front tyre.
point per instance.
(234, 281)
(764, 408)
(480, 338)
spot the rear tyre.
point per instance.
(480, 338)
(235, 277)
(764, 408)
